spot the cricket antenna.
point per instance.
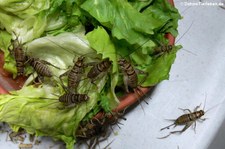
(147, 40)
(186, 31)
(214, 107)
(185, 10)
(204, 102)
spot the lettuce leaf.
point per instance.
(63, 16)
(140, 4)
(38, 111)
(24, 9)
(9, 61)
(28, 29)
(101, 42)
(124, 21)
(32, 19)
(164, 12)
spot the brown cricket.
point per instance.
(71, 98)
(99, 69)
(18, 54)
(130, 77)
(158, 51)
(75, 74)
(166, 49)
(41, 67)
(188, 119)
(98, 125)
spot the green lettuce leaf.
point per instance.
(27, 29)
(38, 111)
(9, 61)
(164, 12)
(140, 4)
(25, 8)
(63, 16)
(32, 19)
(124, 21)
(101, 42)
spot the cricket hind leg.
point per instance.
(138, 89)
(108, 144)
(38, 80)
(47, 63)
(11, 51)
(159, 54)
(140, 94)
(125, 81)
(139, 101)
(185, 128)
(138, 71)
(100, 76)
(179, 131)
(115, 119)
(66, 89)
(62, 84)
(64, 74)
(102, 136)
(167, 127)
(120, 114)
(93, 143)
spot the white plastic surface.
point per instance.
(192, 76)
